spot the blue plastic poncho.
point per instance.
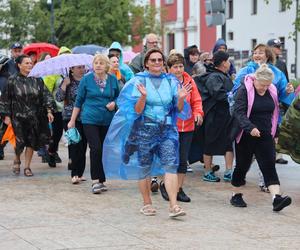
(125, 152)
(279, 81)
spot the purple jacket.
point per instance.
(249, 79)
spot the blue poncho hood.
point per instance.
(124, 68)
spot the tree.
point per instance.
(14, 19)
(77, 21)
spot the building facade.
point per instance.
(250, 22)
(184, 25)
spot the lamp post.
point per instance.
(51, 4)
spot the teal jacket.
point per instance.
(92, 101)
(124, 68)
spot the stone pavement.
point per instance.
(48, 212)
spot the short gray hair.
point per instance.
(264, 73)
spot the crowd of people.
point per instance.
(153, 117)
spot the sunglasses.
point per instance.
(154, 60)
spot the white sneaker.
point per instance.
(189, 169)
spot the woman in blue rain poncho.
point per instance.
(142, 140)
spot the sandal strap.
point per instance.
(176, 208)
(28, 172)
(148, 209)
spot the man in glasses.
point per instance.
(137, 63)
(276, 46)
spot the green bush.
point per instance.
(295, 82)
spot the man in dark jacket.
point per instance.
(220, 45)
(137, 63)
(217, 117)
(276, 46)
(9, 68)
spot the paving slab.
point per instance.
(48, 212)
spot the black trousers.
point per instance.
(264, 150)
(95, 136)
(185, 141)
(77, 152)
(57, 129)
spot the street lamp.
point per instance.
(51, 4)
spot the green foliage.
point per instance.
(77, 21)
(295, 82)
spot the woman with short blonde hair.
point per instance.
(102, 58)
(97, 93)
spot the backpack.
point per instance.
(200, 81)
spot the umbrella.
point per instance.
(128, 56)
(39, 48)
(90, 49)
(60, 65)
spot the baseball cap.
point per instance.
(274, 43)
(16, 45)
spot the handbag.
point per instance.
(73, 136)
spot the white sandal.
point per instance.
(176, 211)
(148, 210)
(75, 180)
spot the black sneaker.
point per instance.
(281, 161)
(238, 201)
(154, 185)
(51, 161)
(280, 202)
(163, 191)
(181, 196)
(45, 158)
(57, 158)
(215, 168)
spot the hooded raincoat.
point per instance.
(124, 68)
(26, 100)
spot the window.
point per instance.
(254, 7)
(230, 36)
(253, 43)
(230, 9)
(282, 7)
(171, 41)
(169, 1)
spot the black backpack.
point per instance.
(200, 81)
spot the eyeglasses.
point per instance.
(154, 60)
(155, 42)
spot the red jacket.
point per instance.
(194, 99)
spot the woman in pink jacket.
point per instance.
(186, 128)
(257, 110)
